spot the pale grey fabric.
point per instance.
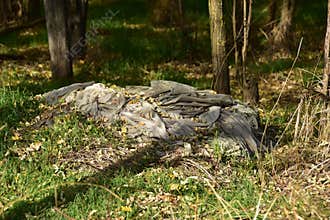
(165, 111)
(54, 96)
(100, 101)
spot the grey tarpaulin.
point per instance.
(166, 111)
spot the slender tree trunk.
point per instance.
(237, 26)
(246, 30)
(235, 39)
(83, 8)
(8, 11)
(218, 43)
(58, 38)
(249, 81)
(3, 17)
(16, 11)
(272, 8)
(165, 12)
(281, 32)
(33, 9)
(326, 72)
(77, 26)
(325, 116)
(187, 41)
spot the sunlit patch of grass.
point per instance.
(16, 106)
(297, 172)
(161, 193)
(31, 164)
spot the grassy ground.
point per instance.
(75, 168)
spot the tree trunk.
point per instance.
(7, 11)
(83, 8)
(237, 30)
(77, 26)
(33, 10)
(251, 90)
(3, 17)
(218, 43)
(249, 81)
(326, 72)
(325, 116)
(58, 38)
(164, 12)
(272, 9)
(281, 33)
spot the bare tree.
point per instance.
(325, 116)
(281, 32)
(272, 9)
(241, 25)
(218, 43)
(33, 9)
(326, 72)
(66, 25)
(77, 26)
(236, 37)
(58, 38)
(3, 16)
(17, 14)
(250, 81)
(164, 12)
(10, 12)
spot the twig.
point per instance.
(269, 209)
(282, 89)
(296, 127)
(63, 214)
(316, 166)
(220, 199)
(258, 207)
(193, 163)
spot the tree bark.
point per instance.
(326, 72)
(3, 17)
(235, 40)
(58, 38)
(77, 26)
(249, 81)
(272, 9)
(218, 43)
(165, 12)
(6, 11)
(325, 115)
(281, 32)
(33, 9)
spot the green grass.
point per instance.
(40, 173)
(31, 176)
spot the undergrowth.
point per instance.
(52, 170)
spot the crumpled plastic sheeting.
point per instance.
(144, 120)
(100, 101)
(54, 96)
(165, 111)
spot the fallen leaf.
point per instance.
(126, 209)
(16, 137)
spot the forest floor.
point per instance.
(50, 172)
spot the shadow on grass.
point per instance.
(133, 164)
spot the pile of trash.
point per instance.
(166, 111)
